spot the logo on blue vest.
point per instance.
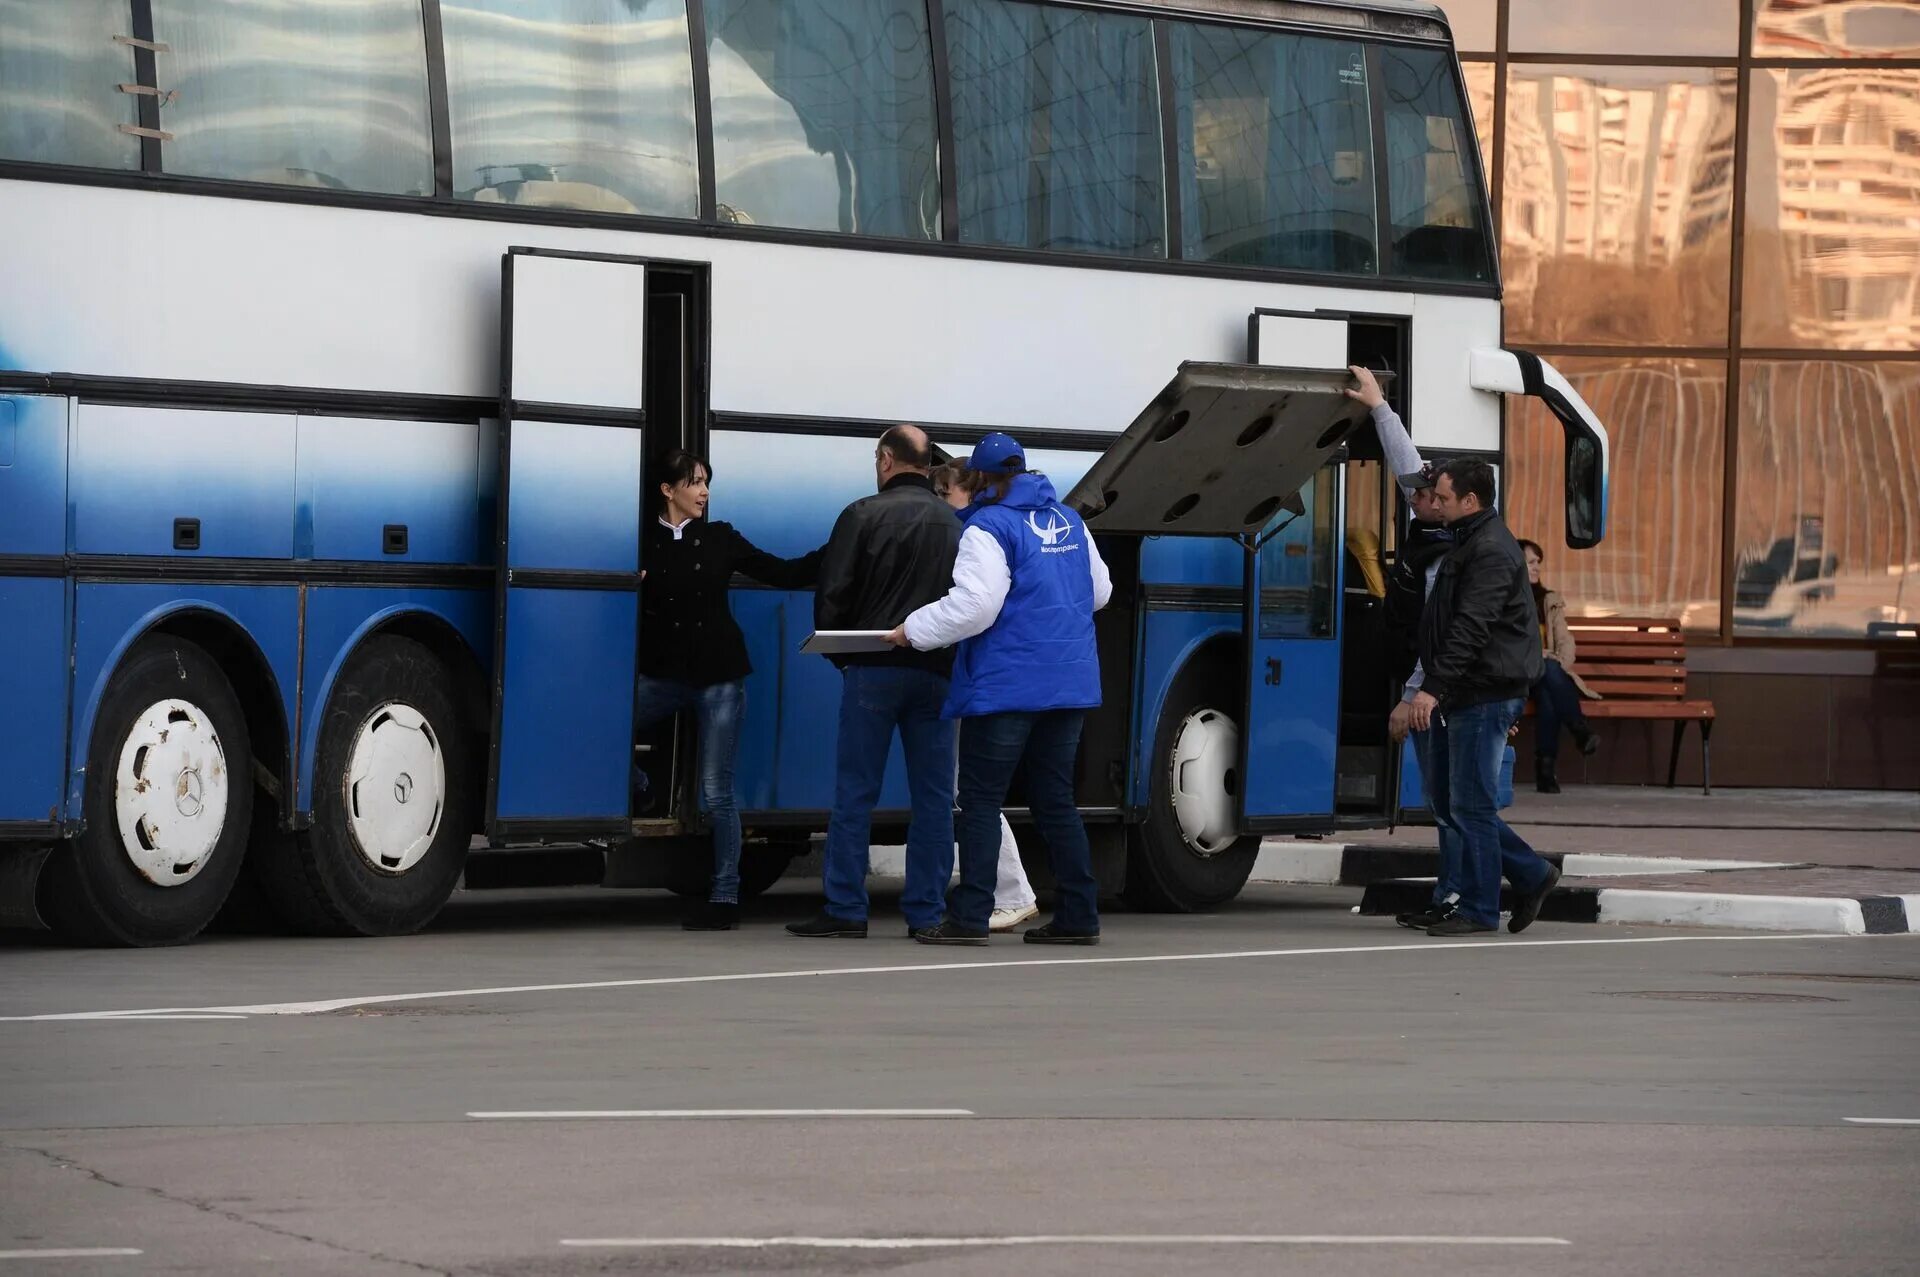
(1049, 535)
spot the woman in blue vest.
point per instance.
(1025, 587)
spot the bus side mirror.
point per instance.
(1519, 372)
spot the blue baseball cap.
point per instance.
(996, 454)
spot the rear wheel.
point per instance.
(393, 802)
(169, 797)
(1188, 855)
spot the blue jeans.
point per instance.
(1466, 748)
(1446, 885)
(719, 707)
(1557, 701)
(992, 747)
(875, 701)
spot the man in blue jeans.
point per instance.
(1480, 653)
(889, 554)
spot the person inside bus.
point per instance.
(1556, 697)
(889, 554)
(1013, 898)
(693, 656)
(1025, 587)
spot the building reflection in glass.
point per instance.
(1827, 521)
(1479, 78)
(1618, 201)
(1833, 209)
(1666, 420)
(1836, 29)
(1691, 28)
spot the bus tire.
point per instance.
(168, 803)
(761, 865)
(393, 804)
(1169, 871)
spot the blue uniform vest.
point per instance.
(1039, 654)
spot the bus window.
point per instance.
(58, 69)
(1056, 122)
(1276, 149)
(1433, 194)
(331, 95)
(1297, 564)
(572, 103)
(823, 115)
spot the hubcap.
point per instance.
(1206, 761)
(170, 791)
(396, 785)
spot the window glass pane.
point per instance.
(1707, 28)
(1480, 78)
(58, 69)
(1056, 122)
(331, 95)
(1836, 29)
(572, 103)
(1296, 564)
(1833, 209)
(1619, 199)
(1666, 425)
(1434, 198)
(823, 115)
(1275, 149)
(1827, 526)
(1475, 24)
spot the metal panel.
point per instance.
(33, 686)
(576, 497)
(33, 475)
(359, 476)
(566, 714)
(578, 328)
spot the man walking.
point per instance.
(889, 554)
(1480, 654)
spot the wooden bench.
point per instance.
(1639, 665)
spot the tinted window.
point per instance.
(1296, 564)
(58, 69)
(1433, 197)
(823, 115)
(1056, 123)
(1275, 149)
(331, 95)
(573, 103)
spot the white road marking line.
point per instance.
(322, 1006)
(586, 1114)
(1885, 1121)
(1055, 1239)
(97, 1252)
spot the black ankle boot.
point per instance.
(1544, 779)
(1586, 739)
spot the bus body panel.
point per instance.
(565, 729)
(33, 674)
(33, 475)
(359, 476)
(110, 617)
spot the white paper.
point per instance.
(831, 642)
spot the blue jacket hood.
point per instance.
(1026, 492)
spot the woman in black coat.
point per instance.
(693, 656)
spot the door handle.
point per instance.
(1273, 671)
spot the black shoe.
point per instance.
(947, 933)
(1525, 911)
(1050, 933)
(714, 915)
(1587, 739)
(824, 925)
(1456, 925)
(1429, 917)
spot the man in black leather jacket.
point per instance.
(1480, 650)
(890, 553)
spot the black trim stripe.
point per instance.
(958, 432)
(570, 579)
(97, 568)
(553, 829)
(1193, 598)
(33, 565)
(29, 830)
(581, 414)
(307, 400)
(437, 99)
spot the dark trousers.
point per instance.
(1467, 745)
(719, 707)
(992, 748)
(1556, 701)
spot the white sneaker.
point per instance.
(1008, 919)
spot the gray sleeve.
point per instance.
(1396, 443)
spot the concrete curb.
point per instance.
(1826, 915)
(1335, 864)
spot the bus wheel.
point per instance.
(761, 865)
(1188, 854)
(169, 798)
(392, 802)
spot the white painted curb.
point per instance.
(1827, 915)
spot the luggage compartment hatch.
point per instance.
(1221, 451)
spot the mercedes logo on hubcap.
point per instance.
(188, 794)
(403, 788)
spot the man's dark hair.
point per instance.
(909, 446)
(1471, 477)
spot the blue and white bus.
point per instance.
(337, 341)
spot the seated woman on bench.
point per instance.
(1556, 697)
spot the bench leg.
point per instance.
(1706, 758)
(1673, 758)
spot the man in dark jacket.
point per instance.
(1480, 653)
(889, 554)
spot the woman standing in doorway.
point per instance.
(693, 656)
(1556, 697)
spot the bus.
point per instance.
(337, 343)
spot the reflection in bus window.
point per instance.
(572, 104)
(1297, 563)
(58, 69)
(1275, 149)
(331, 95)
(823, 115)
(1438, 226)
(1056, 122)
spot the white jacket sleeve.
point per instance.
(981, 580)
(1102, 582)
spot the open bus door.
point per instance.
(567, 616)
(1246, 451)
